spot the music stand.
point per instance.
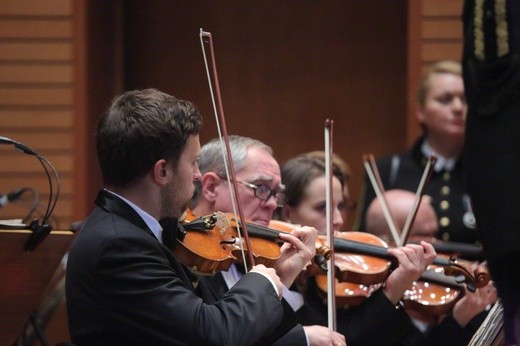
(24, 276)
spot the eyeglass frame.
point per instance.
(278, 194)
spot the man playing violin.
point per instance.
(123, 286)
(467, 314)
(260, 189)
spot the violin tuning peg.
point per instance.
(321, 262)
(471, 287)
(460, 279)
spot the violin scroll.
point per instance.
(476, 278)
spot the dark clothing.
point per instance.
(377, 321)
(213, 288)
(124, 287)
(447, 190)
(491, 63)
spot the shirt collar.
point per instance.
(150, 221)
(442, 163)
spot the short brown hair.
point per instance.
(140, 128)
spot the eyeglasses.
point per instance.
(264, 192)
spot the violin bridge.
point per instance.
(221, 221)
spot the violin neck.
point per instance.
(461, 249)
(443, 262)
(351, 246)
(441, 279)
(262, 232)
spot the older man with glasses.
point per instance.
(260, 190)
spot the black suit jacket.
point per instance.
(123, 286)
(213, 288)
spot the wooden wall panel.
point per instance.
(36, 99)
(36, 7)
(40, 52)
(442, 8)
(36, 74)
(19, 164)
(38, 182)
(18, 119)
(35, 96)
(441, 29)
(435, 51)
(31, 29)
(42, 141)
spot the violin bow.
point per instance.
(428, 170)
(226, 150)
(377, 185)
(331, 294)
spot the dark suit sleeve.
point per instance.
(134, 294)
(295, 336)
(375, 322)
(212, 288)
(447, 332)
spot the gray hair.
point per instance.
(211, 159)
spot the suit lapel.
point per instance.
(115, 205)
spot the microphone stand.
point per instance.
(39, 230)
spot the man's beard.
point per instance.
(170, 205)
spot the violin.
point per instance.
(356, 254)
(476, 278)
(357, 276)
(433, 294)
(212, 243)
(347, 293)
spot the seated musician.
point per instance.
(305, 203)
(469, 311)
(260, 189)
(123, 285)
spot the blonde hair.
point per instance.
(445, 66)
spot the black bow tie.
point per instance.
(171, 229)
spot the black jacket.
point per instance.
(124, 287)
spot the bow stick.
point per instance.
(331, 292)
(428, 170)
(226, 150)
(377, 185)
